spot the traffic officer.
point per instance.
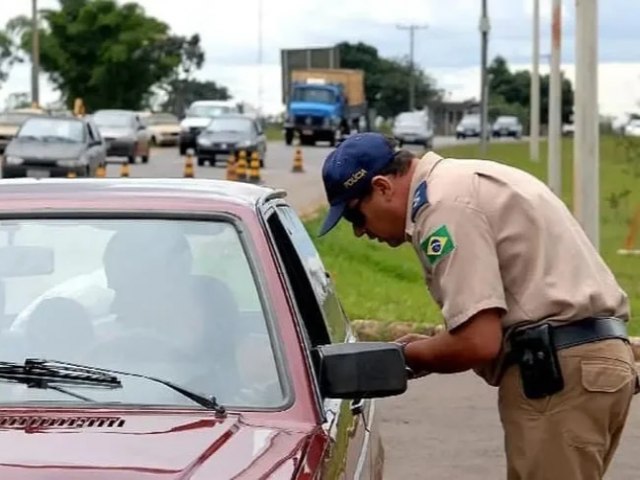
(527, 301)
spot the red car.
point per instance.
(177, 329)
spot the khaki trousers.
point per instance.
(573, 434)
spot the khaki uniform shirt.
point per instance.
(492, 236)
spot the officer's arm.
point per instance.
(458, 248)
(475, 342)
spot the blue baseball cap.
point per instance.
(348, 170)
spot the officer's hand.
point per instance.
(411, 337)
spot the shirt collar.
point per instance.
(421, 173)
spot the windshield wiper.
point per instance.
(53, 371)
(39, 374)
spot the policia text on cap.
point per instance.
(528, 303)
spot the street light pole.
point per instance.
(534, 103)
(586, 155)
(412, 80)
(35, 55)
(484, 87)
(555, 103)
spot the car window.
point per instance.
(113, 120)
(52, 129)
(222, 124)
(173, 299)
(333, 319)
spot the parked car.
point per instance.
(198, 116)
(178, 328)
(632, 129)
(507, 126)
(54, 146)
(9, 125)
(469, 126)
(164, 128)
(231, 133)
(413, 128)
(124, 133)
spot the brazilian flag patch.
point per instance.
(438, 245)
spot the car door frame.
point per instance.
(348, 426)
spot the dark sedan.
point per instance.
(54, 147)
(231, 133)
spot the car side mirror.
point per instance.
(360, 370)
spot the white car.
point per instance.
(632, 129)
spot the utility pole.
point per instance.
(260, 91)
(412, 80)
(586, 147)
(534, 102)
(484, 87)
(555, 102)
(35, 55)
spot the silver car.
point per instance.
(231, 133)
(53, 147)
(124, 133)
(413, 128)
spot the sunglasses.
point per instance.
(354, 216)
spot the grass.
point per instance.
(377, 282)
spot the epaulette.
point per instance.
(419, 199)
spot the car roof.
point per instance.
(188, 195)
(117, 111)
(56, 118)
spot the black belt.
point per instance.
(587, 330)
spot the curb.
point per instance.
(375, 330)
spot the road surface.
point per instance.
(445, 426)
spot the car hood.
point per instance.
(115, 132)
(227, 137)
(311, 108)
(162, 445)
(199, 122)
(43, 150)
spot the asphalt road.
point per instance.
(445, 426)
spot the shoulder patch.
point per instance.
(438, 245)
(419, 199)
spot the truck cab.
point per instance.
(324, 105)
(316, 112)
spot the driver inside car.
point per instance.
(171, 323)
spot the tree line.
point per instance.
(117, 56)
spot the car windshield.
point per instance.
(13, 118)
(506, 121)
(162, 119)
(320, 95)
(239, 125)
(114, 120)
(471, 120)
(208, 110)
(52, 129)
(172, 299)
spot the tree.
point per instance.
(7, 56)
(387, 80)
(109, 55)
(509, 93)
(181, 93)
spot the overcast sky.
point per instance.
(448, 49)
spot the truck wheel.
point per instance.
(288, 137)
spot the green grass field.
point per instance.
(377, 282)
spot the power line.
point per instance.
(412, 81)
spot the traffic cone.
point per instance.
(101, 172)
(188, 165)
(297, 162)
(241, 169)
(254, 168)
(124, 169)
(231, 167)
